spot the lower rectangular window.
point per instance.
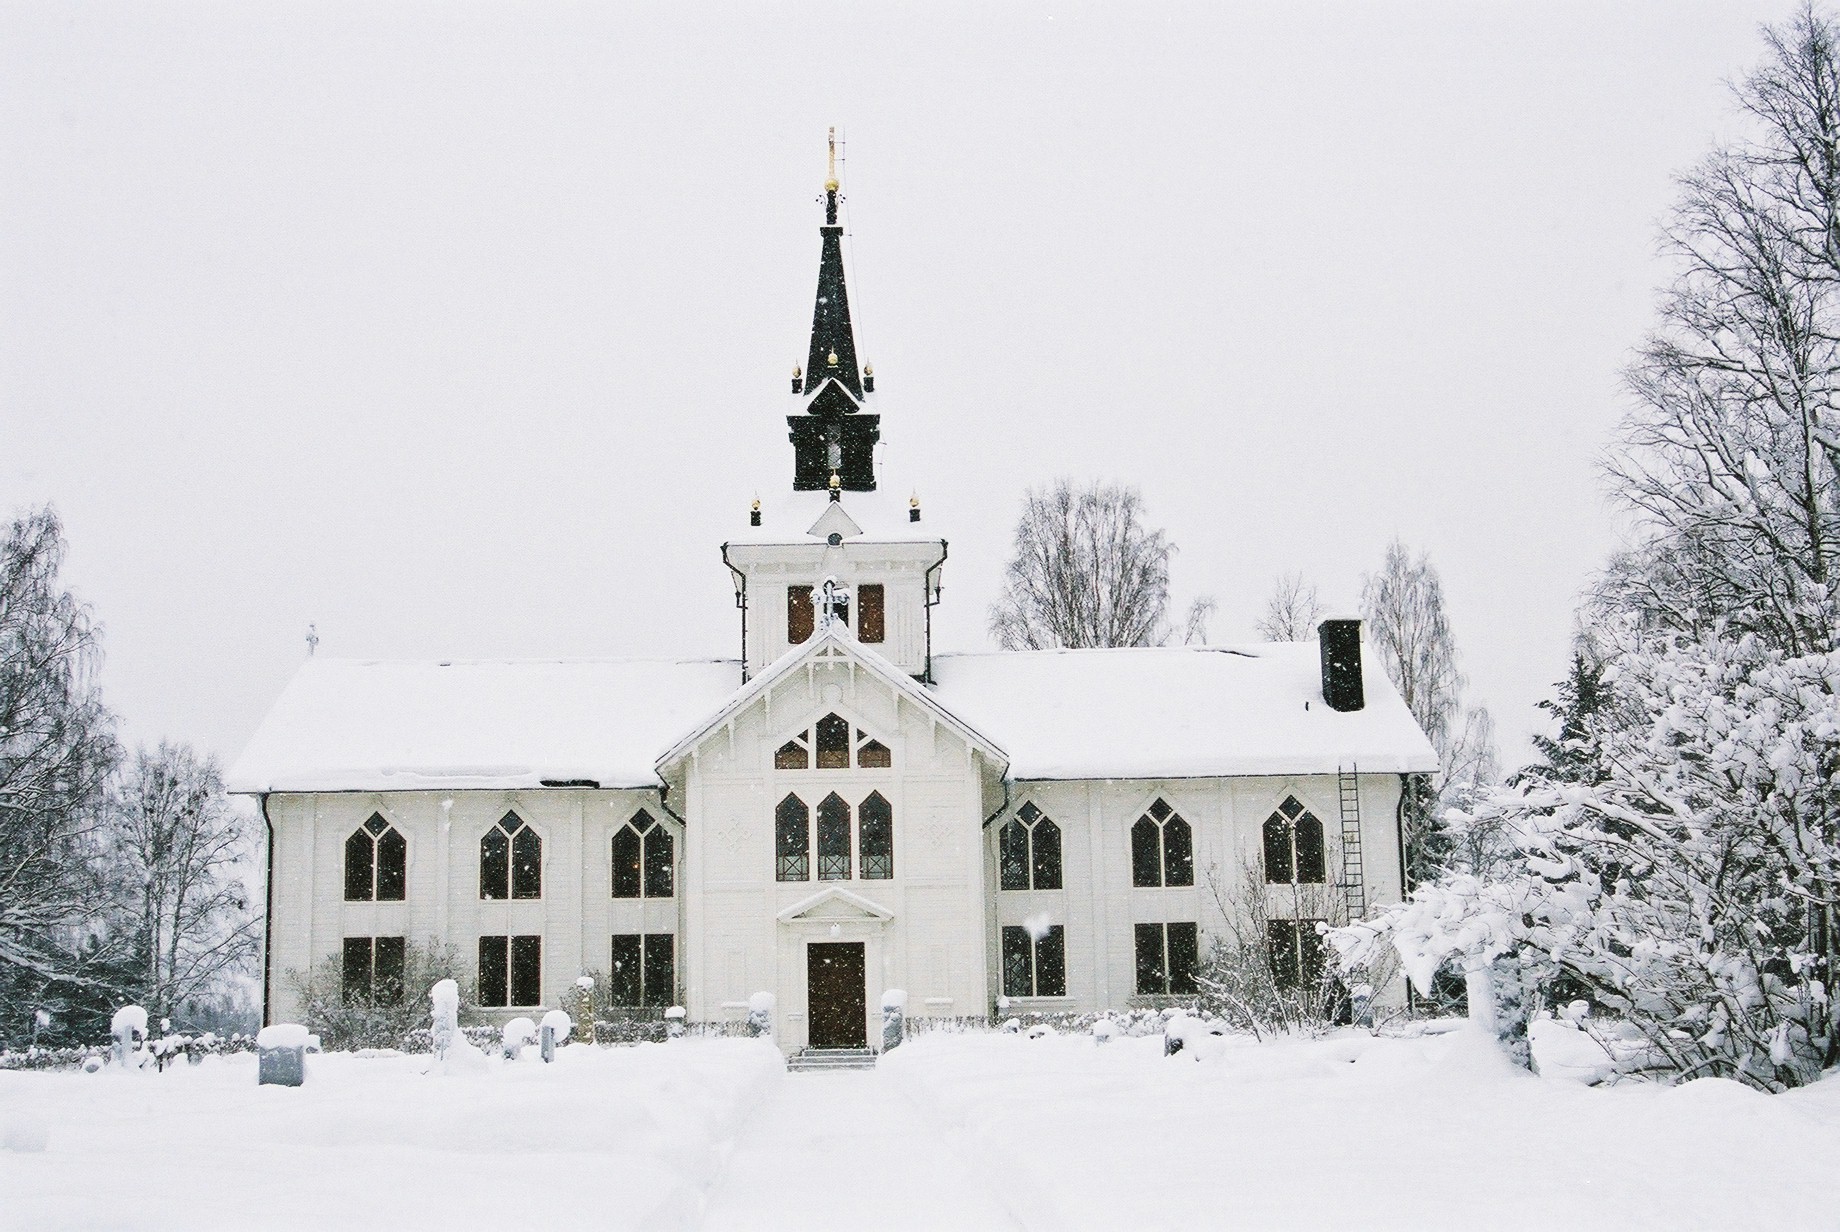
(1031, 967)
(510, 971)
(1298, 953)
(644, 969)
(1167, 955)
(372, 971)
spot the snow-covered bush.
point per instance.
(1691, 892)
(363, 1021)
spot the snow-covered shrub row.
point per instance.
(1684, 884)
(1143, 1021)
(166, 1049)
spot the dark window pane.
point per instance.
(1310, 864)
(1152, 975)
(1018, 978)
(1282, 938)
(833, 743)
(798, 614)
(660, 971)
(1184, 943)
(376, 825)
(387, 976)
(659, 874)
(1178, 853)
(358, 856)
(1312, 953)
(1045, 843)
(792, 756)
(1013, 856)
(1290, 808)
(876, 819)
(495, 865)
(833, 839)
(1146, 853)
(626, 976)
(874, 755)
(869, 613)
(392, 867)
(526, 865)
(527, 971)
(1160, 811)
(627, 863)
(1028, 813)
(1278, 866)
(1051, 964)
(492, 971)
(355, 981)
(792, 839)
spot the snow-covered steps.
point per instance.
(808, 1059)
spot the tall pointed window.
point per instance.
(792, 840)
(876, 822)
(1294, 846)
(511, 860)
(869, 613)
(1029, 851)
(833, 839)
(799, 615)
(376, 863)
(642, 859)
(1162, 849)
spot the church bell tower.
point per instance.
(833, 434)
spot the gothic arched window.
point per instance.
(831, 738)
(876, 822)
(1029, 851)
(833, 743)
(833, 839)
(792, 840)
(1294, 846)
(642, 864)
(511, 860)
(376, 863)
(1162, 849)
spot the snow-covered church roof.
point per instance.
(373, 725)
(1177, 712)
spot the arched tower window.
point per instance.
(876, 821)
(833, 743)
(1294, 846)
(511, 860)
(792, 840)
(1162, 849)
(376, 863)
(1029, 851)
(833, 839)
(642, 859)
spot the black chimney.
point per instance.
(1341, 664)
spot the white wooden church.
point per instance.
(843, 810)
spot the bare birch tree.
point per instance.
(1292, 611)
(178, 843)
(1086, 572)
(57, 748)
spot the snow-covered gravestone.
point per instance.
(760, 1015)
(584, 1018)
(894, 1016)
(444, 999)
(129, 1027)
(674, 1022)
(556, 1028)
(281, 1055)
(1104, 1030)
(517, 1035)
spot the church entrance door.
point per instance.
(838, 994)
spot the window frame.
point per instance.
(788, 864)
(1043, 961)
(648, 953)
(883, 854)
(516, 841)
(801, 615)
(380, 962)
(1155, 948)
(1029, 822)
(649, 868)
(1163, 846)
(1294, 843)
(514, 960)
(371, 837)
(871, 597)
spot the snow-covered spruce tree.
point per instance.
(1731, 452)
(57, 748)
(1691, 891)
(175, 842)
(1087, 571)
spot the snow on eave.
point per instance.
(834, 634)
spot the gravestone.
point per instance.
(281, 1055)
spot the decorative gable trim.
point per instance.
(835, 904)
(834, 521)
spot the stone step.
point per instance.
(809, 1059)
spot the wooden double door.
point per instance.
(836, 994)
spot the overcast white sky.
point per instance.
(463, 330)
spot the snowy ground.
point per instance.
(958, 1132)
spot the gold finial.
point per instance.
(835, 481)
(832, 359)
(868, 369)
(913, 502)
(755, 508)
(830, 181)
(797, 372)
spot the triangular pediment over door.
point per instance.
(835, 906)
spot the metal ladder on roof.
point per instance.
(1354, 885)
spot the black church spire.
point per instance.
(834, 433)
